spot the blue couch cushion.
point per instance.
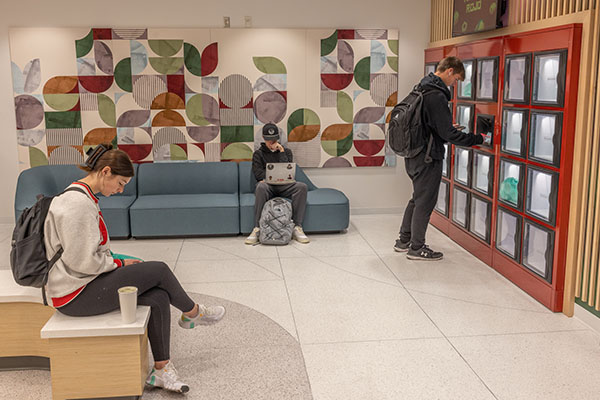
(116, 202)
(187, 178)
(325, 196)
(183, 201)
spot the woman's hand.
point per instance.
(130, 261)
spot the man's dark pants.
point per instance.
(296, 191)
(426, 179)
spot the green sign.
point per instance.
(472, 16)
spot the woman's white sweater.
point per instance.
(75, 223)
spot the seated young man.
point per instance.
(271, 151)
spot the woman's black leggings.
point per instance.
(157, 288)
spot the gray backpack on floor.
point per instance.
(276, 225)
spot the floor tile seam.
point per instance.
(287, 291)
(437, 327)
(484, 383)
(407, 339)
(244, 258)
(263, 346)
(243, 281)
(519, 333)
(178, 254)
(346, 271)
(477, 303)
(249, 261)
(226, 258)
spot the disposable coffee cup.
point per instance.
(128, 303)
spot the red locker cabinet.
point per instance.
(507, 201)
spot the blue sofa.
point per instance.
(327, 210)
(50, 180)
(186, 199)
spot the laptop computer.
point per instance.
(280, 173)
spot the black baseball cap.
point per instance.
(270, 132)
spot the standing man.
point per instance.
(271, 151)
(426, 176)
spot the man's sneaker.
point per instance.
(424, 253)
(299, 235)
(167, 378)
(401, 247)
(253, 238)
(206, 316)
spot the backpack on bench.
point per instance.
(28, 259)
(276, 225)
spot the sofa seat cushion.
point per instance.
(317, 197)
(116, 202)
(247, 200)
(185, 215)
(321, 197)
(183, 201)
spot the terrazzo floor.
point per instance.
(345, 317)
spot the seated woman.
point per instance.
(84, 281)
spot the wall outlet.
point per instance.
(226, 22)
(248, 21)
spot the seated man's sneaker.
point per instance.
(167, 378)
(206, 316)
(253, 238)
(401, 247)
(299, 235)
(424, 253)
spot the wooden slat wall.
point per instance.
(582, 278)
(519, 12)
(587, 287)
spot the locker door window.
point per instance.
(541, 194)
(514, 131)
(545, 137)
(460, 207)
(549, 78)
(483, 172)
(516, 79)
(462, 165)
(466, 89)
(538, 249)
(508, 233)
(442, 202)
(480, 218)
(511, 179)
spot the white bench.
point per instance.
(22, 316)
(97, 356)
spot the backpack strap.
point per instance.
(73, 189)
(58, 254)
(428, 158)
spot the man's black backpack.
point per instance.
(406, 131)
(28, 260)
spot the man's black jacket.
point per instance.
(263, 155)
(438, 119)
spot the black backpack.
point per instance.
(406, 131)
(28, 260)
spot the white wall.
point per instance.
(369, 189)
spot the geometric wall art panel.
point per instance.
(165, 95)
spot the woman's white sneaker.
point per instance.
(206, 316)
(167, 378)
